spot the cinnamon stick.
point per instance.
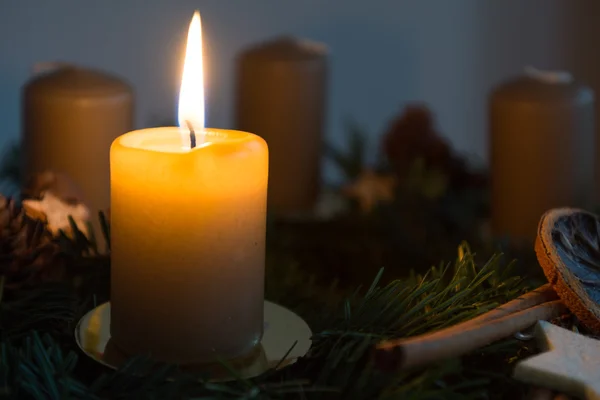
(428, 348)
(530, 299)
(533, 298)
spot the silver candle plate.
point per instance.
(282, 329)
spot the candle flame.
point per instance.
(191, 95)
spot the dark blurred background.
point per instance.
(384, 53)
(417, 175)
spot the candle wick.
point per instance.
(192, 134)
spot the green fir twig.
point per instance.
(351, 161)
(338, 366)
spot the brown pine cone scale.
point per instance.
(28, 253)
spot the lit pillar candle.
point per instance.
(188, 234)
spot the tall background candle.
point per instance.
(188, 234)
(281, 96)
(71, 115)
(542, 150)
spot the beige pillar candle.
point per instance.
(188, 223)
(70, 118)
(188, 244)
(542, 150)
(281, 96)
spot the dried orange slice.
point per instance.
(568, 249)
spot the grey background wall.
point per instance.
(384, 53)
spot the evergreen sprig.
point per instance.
(38, 354)
(350, 161)
(442, 297)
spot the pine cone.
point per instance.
(28, 253)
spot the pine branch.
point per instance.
(48, 308)
(78, 245)
(338, 365)
(38, 369)
(352, 161)
(419, 304)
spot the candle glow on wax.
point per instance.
(188, 230)
(191, 95)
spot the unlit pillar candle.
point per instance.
(70, 118)
(281, 95)
(542, 149)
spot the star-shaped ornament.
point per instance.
(571, 363)
(371, 189)
(56, 212)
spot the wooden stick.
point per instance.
(425, 349)
(530, 299)
(536, 297)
